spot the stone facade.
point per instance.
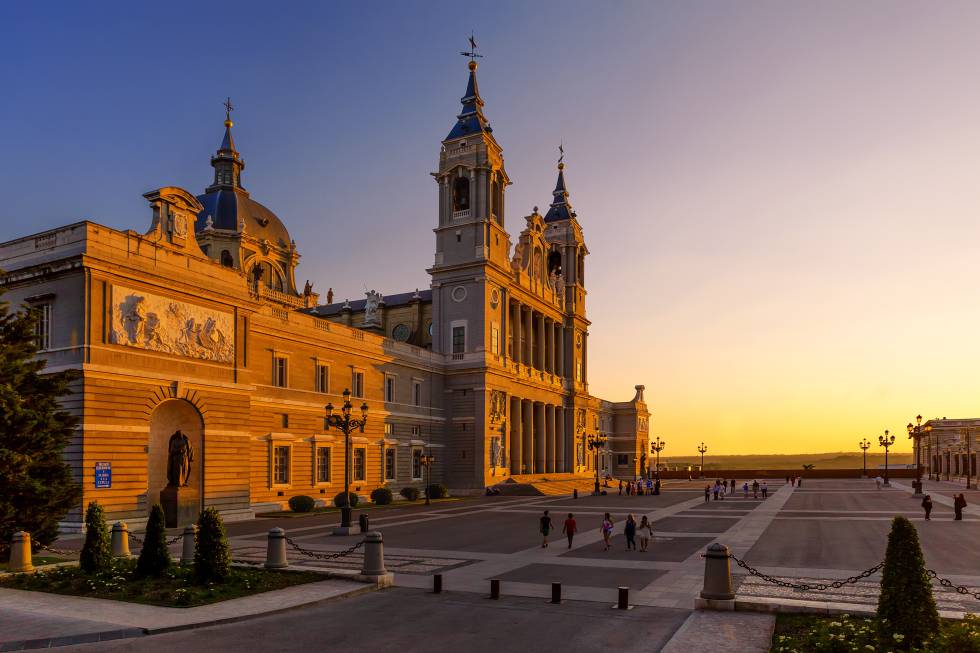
(197, 325)
(948, 447)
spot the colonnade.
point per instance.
(534, 339)
(540, 440)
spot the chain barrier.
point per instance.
(323, 556)
(960, 589)
(136, 538)
(139, 540)
(61, 552)
(807, 587)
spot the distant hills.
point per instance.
(832, 460)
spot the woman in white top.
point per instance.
(645, 532)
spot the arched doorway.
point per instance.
(167, 418)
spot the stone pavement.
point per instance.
(744, 632)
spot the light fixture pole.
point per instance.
(969, 462)
(701, 450)
(656, 447)
(864, 444)
(886, 441)
(347, 425)
(596, 441)
(915, 433)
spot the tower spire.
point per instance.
(561, 208)
(471, 119)
(227, 163)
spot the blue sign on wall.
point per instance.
(103, 475)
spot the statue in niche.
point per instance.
(371, 307)
(180, 455)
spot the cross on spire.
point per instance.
(228, 109)
(472, 51)
(561, 152)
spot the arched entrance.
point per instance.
(167, 418)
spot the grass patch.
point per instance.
(38, 561)
(175, 588)
(803, 633)
(361, 506)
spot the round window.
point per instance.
(458, 293)
(494, 297)
(401, 332)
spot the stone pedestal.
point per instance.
(181, 505)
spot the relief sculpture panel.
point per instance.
(148, 321)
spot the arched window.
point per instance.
(537, 271)
(581, 268)
(226, 259)
(461, 194)
(269, 276)
(497, 197)
(554, 263)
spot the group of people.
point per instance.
(639, 488)
(724, 486)
(630, 531)
(959, 502)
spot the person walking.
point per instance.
(646, 533)
(656, 487)
(707, 493)
(745, 490)
(629, 530)
(799, 481)
(569, 528)
(959, 502)
(733, 486)
(723, 490)
(765, 489)
(716, 489)
(545, 529)
(927, 505)
(755, 489)
(620, 486)
(607, 529)
(878, 480)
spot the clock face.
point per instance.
(401, 332)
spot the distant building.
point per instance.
(943, 447)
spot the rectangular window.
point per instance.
(323, 464)
(360, 473)
(390, 464)
(578, 371)
(388, 429)
(42, 328)
(416, 393)
(389, 389)
(459, 339)
(494, 339)
(285, 420)
(280, 465)
(357, 384)
(416, 430)
(416, 464)
(622, 459)
(322, 378)
(280, 371)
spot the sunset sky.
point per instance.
(781, 200)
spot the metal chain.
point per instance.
(323, 556)
(837, 584)
(136, 538)
(960, 589)
(62, 552)
(139, 540)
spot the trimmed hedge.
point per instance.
(96, 553)
(339, 500)
(906, 606)
(212, 557)
(410, 493)
(302, 503)
(154, 557)
(438, 491)
(382, 496)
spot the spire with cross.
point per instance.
(228, 110)
(472, 51)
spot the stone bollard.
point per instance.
(623, 599)
(374, 555)
(495, 589)
(436, 583)
(20, 554)
(188, 543)
(120, 540)
(275, 557)
(556, 592)
(717, 577)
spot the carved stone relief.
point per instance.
(498, 405)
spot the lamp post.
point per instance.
(701, 450)
(915, 434)
(596, 441)
(347, 425)
(886, 441)
(965, 435)
(427, 460)
(864, 444)
(656, 447)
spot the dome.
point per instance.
(228, 208)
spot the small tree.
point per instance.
(906, 606)
(154, 557)
(212, 558)
(96, 553)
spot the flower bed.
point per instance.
(844, 634)
(175, 588)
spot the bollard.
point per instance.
(495, 588)
(189, 540)
(556, 592)
(624, 599)
(364, 523)
(717, 574)
(436, 583)
(20, 554)
(120, 540)
(275, 556)
(374, 555)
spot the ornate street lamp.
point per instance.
(701, 450)
(864, 444)
(886, 441)
(965, 432)
(915, 433)
(596, 442)
(347, 425)
(427, 460)
(656, 447)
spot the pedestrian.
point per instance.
(620, 486)
(745, 489)
(646, 533)
(724, 488)
(656, 487)
(545, 529)
(607, 528)
(787, 480)
(878, 481)
(765, 489)
(799, 481)
(716, 489)
(569, 528)
(755, 489)
(707, 493)
(733, 486)
(959, 502)
(629, 531)
(927, 505)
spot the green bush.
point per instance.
(438, 491)
(382, 496)
(906, 606)
(212, 558)
(96, 553)
(301, 503)
(961, 636)
(154, 557)
(339, 500)
(410, 493)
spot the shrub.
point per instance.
(961, 636)
(438, 491)
(410, 493)
(906, 606)
(339, 500)
(301, 503)
(381, 496)
(212, 558)
(96, 553)
(154, 557)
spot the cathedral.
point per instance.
(197, 326)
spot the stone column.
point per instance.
(504, 323)
(541, 343)
(528, 337)
(516, 443)
(549, 346)
(561, 455)
(527, 436)
(560, 336)
(515, 331)
(549, 429)
(540, 439)
(585, 357)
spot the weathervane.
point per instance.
(472, 53)
(228, 109)
(561, 152)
